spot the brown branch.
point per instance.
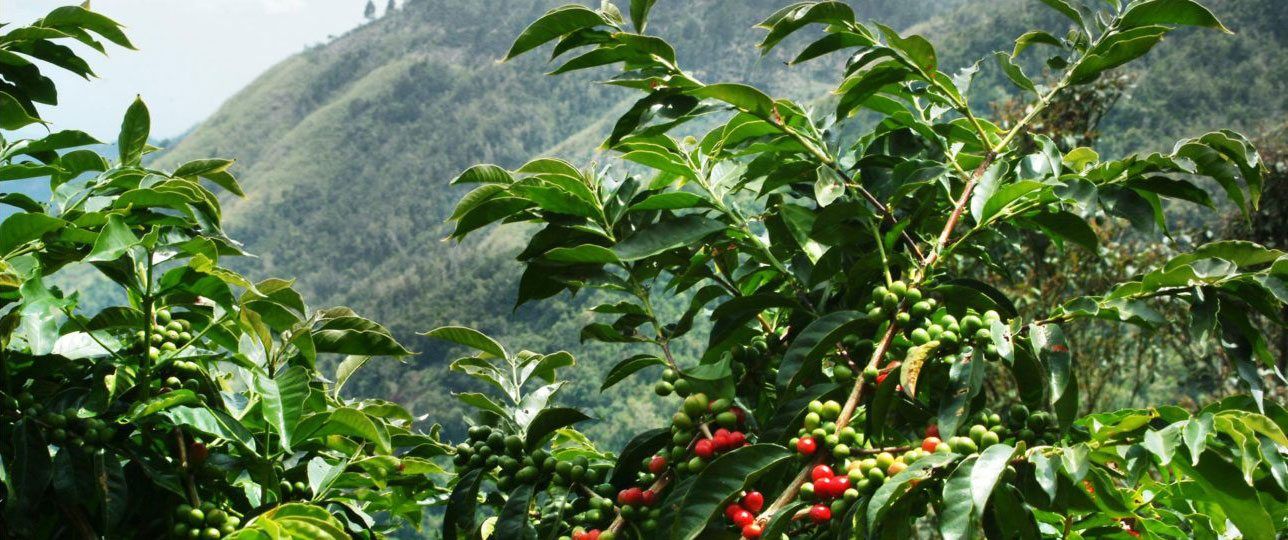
(856, 394)
(958, 208)
(658, 485)
(193, 499)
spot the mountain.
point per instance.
(346, 150)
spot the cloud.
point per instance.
(283, 6)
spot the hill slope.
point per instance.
(346, 149)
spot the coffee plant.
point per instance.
(830, 244)
(192, 405)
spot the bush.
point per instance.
(193, 409)
(840, 393)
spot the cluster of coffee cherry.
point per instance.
(491, 449)
(689, 428)
(820, 432)
(206, 522)
(593, 534)
(65, 428)
(922, 321)
(639, 505)
(168, 334)
(742, 514)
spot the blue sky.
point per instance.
(193, 55)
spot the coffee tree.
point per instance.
(192, 406)
(839, 392)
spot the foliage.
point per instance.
(340, 133)
(849, 343)
(193, 407)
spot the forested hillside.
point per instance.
(346, 150)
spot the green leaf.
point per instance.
(353, 423)
(113, 241)
(1034, 36)
(548, 420)
(1222, 157)
(1007, 194)
(1045, 471)
(817, 339)
(1115, 51)
(214, 170)
(912, 364)
(484, 174)
(628, 367)
(356, 335)
(1257, 423)
(153, 405)
(488, 212)
(1223, 484)
(965, 378)
(134, 133)
(800, 15)
(1169, 187)
(26, 169)
(213, 423)
(1008, 513)
(346, 368)
(1049, 343)
(30, 469)
(671, 200)
(1065, 9)
(555, 23)
(1014, 73)
(552, 197)
(1163, 443)
(481, 401)
(956, 522)
(665, 235)
(636, 450)
(1080, 158)
(639, 13)
(743, 97)
(859, 87)
(459, 518)
(1182, 12)
(512, 522)
(19, 229)
(283, 400)
(12, 114)
(1195, 435)
(898, 485)
(322, 474)
(1068, 226)
(21, 202)
(666, 103)
(70, 19)
(583, 254)
(918, 51)
(988, 185)
(778, 525)
(987, 471)
(469, 337)
(828, 187)
(720, 481)
(297, 521)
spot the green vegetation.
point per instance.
(859, 372)
(343, 149)
(818, 321)
(190, 405)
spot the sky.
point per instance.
(192, 55)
